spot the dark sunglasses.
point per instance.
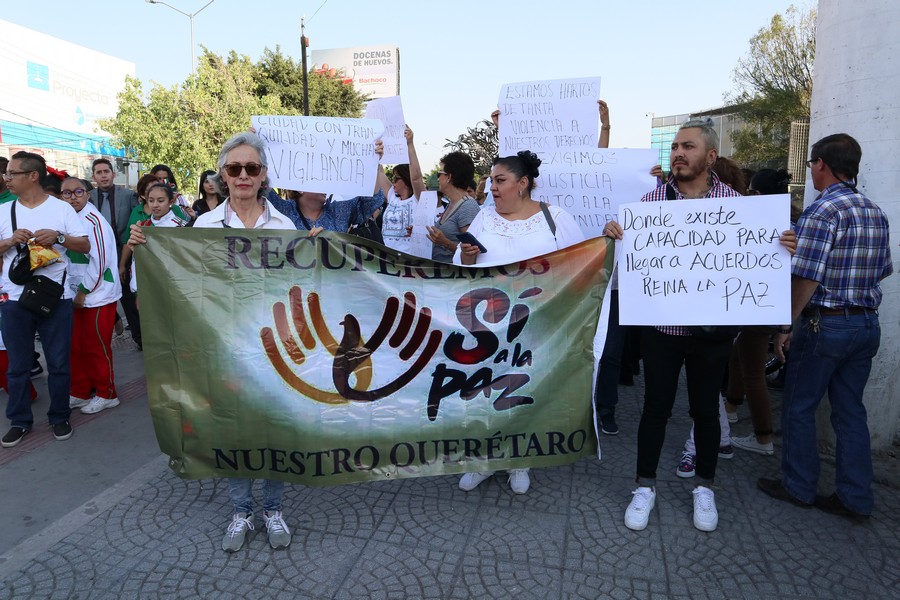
(234, 169)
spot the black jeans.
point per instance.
(704, 362)
(606, 389)
(129, 305)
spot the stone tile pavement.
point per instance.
(153, 535)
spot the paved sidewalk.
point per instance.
(153, 535)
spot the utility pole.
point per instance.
(304, 44)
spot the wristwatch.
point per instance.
(60, 238)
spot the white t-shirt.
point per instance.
(53, 214)
(511, 241)
(396, 221)
(170, 219)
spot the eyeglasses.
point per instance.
(443, 173)
(79, 193)
(234, 169)
(10, 174)
(812, 161)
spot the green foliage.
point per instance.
(185, 126)
(481, 143)
(431, 178)
(277, 74)
(774, 87)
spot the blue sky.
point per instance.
(653, 56)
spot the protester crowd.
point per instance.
(82, 234)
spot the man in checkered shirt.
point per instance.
(843, 253)
(666, 349)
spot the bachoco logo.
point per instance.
(411, 334)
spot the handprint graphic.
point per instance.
(353, 352)
(353, 355)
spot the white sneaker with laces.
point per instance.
(637, 515)
(706, 517)
(750, 444)
(97, 404)
(237, 532)
(519, 481)
(470, 481)
(279, 534)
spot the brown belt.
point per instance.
(850, 310)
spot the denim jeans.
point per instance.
(19, 326)
(241, 493)
(704, 362)
(606, 390)
(836, 359)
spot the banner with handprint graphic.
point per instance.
(333, 360)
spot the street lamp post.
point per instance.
(189, 16)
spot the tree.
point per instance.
(774, 87)
(329, 95)
(185, 126)
(481, 143)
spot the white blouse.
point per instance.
(511, 241)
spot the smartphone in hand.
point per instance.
(468, 238)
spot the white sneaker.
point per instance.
(97, 404)
(75, 402)
(279, 534)
(470, 481)
(750, 444)
(519, 481)
(706, 517)
(237, 532)
(637, 515)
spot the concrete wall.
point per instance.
(856, 90)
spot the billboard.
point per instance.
(55, 92)
(374, 70)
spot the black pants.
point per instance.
(704, 362)
(129, 305)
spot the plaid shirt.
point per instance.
(842, 242)
(717, 190)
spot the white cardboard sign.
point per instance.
(390, 112)
(546, 115)
(591, 183)
(330, 155)
(423, 216)
(712, 261)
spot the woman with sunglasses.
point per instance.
(242, 171)
(403, 193)
(208, 196)
(456, 171)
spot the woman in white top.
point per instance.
(402, 194)
(242, 170)
(514, 229)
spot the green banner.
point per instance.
(332, 360)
